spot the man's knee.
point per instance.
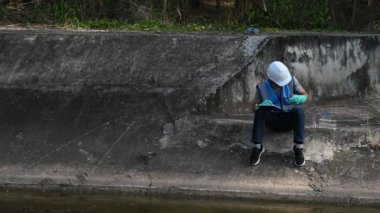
(260, 112)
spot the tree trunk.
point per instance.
(353, 14)
(332, 12)
(164, 9)
(219, 8)
(3, 11)
(264, 6)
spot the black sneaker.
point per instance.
(299, 160)
(255, 156)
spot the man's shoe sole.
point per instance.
(295, 164)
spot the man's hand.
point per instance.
(266, 102)
(298, 99)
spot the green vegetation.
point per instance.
(195, 15)
(144, 25)
(292, 14)
(152, 25)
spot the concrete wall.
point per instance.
(135, 111)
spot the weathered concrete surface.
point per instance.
(328, 66)
(174, 65)
(168, 113)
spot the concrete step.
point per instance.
(330, 128)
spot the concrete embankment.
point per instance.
(169, 113)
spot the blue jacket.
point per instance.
(281, 102)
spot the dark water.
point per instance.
(53, 202)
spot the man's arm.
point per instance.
(299, 90)
(257, 100)
(303, 92)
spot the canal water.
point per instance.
(55, 202)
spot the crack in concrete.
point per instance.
(59, 148)
(113, 145)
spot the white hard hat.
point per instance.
(279, 73)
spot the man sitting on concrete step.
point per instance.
(277, 106)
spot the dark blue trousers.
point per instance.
(278, 121)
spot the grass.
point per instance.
(148, 25)
(152, 25)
